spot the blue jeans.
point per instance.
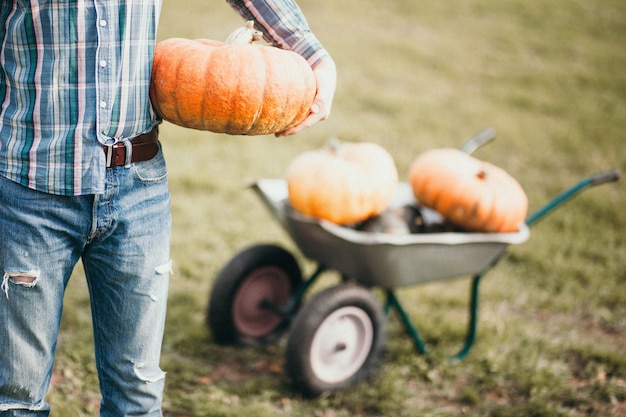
(122, 238)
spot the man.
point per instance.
(82, 177)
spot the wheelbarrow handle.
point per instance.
(478, 140)
(600, 178)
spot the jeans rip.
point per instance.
(26, 279)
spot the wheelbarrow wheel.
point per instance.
(336, 340)
(247, 292)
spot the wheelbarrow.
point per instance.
(336, 337)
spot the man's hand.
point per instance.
(326, 76)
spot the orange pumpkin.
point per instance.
(342, 182)
(235, 88)
(472, 194)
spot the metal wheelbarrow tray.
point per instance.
(383, 259)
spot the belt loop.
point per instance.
(109, 155)
(129, 153)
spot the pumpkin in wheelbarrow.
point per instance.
(472, 194)
(343, 182)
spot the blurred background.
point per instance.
(413, 75)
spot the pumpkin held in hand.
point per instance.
(342, 182)
(472, 194)
(238, 87)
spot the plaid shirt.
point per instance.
(75, 75)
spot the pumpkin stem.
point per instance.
(333, 145)
(245, 35)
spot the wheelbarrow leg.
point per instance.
(392, 301)
(420, 345)
(470, 337)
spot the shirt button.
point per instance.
(103, 63)
(103, 23)
(103, 104)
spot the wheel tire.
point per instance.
(336, 340)
(256, 274)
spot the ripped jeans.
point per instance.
(122, 238)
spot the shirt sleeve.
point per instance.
(284, 25)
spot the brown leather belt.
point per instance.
(144, 148)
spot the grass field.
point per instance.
(550, 78)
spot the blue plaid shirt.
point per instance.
(75, 75)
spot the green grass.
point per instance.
(549, 77)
